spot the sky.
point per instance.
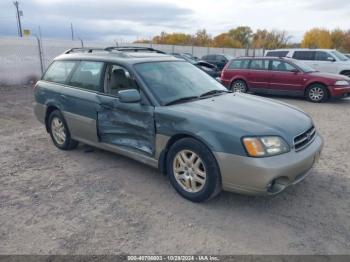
(128, 20)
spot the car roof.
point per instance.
(301, 49)
(119, 57)
(261, 57)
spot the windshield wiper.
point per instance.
(214, 92)
(182, 99)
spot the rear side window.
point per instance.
(277, 53)
(88, 76)
(59, 71)
(259, 64)
(277, 65)
(239, 64)
(304, 55)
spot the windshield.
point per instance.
(340, 56)
(304, 67)
(170, 81)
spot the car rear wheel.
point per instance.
(59, 132)
(239, 86)
(317, 93)
(193, 170)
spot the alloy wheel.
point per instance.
(239, 86)
(189, 171)
(58, 130)
(316, 94)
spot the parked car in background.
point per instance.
(220, 60)
(283, 76)
(165, 112)
(210, 69)
(323, 60)
(189, 55)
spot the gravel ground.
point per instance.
(78, 202)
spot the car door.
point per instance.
(128, 125)
(79, 100)
(285, 78)
(258, 75)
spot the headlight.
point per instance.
(341, 83)
(265, 146)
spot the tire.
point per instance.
(239, 86)
(59, 132)
(317, 93)
(187, 177)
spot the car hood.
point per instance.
(243, 115)
(330, 76)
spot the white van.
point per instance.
(323, 60)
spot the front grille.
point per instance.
(303, 140)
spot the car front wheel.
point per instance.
(59, 132)
(193, 170)
(317, 93)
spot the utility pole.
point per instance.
(19, 13)
(72, 31)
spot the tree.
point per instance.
(317, 38)
(337, 37)
(202, 38)
(225, 40)
(346, 42)
(241, 34)
(270, 40)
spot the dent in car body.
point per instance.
(126, 124)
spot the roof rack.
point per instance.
(83, 50)
(113, 48)
(133, 49)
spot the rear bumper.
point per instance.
(271, 175)
(340, 91)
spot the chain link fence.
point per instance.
(23, 60)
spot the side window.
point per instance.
(59, 71)
(211, 57)
(281, 66)
(88, 76)
(277, 53)
(118, 78)
(304, 55)
(323, 56)
(259, 64)
(239, 64)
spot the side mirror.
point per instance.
(129, 96)
(330, 59)
(295, 71)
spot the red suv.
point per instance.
(283, 76)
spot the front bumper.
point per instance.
(340, 91)
(270, 175)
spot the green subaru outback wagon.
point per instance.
(166, 113)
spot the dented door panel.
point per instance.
(126, 124)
